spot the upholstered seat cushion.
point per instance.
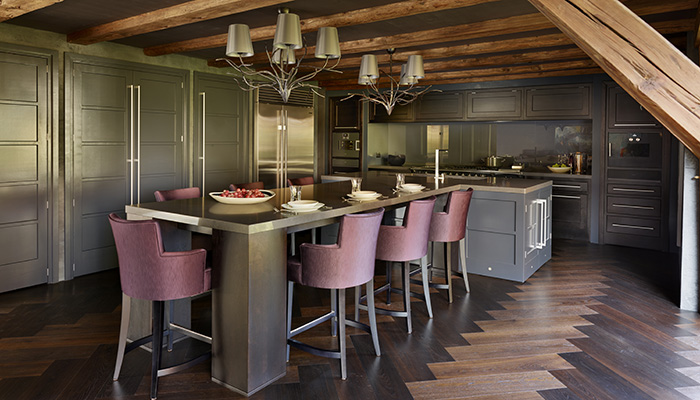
(294, 269)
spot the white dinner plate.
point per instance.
(302, 210)
(302, 204)
(412, 187)
(243, 200)
(364, 195)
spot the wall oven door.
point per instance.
(635, 149)
(345, 152)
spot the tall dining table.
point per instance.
(249, 266)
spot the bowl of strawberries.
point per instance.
(242, 196)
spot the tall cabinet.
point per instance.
(637, 175)
(24, 169)
(126, 127)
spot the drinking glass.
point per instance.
(295, 192)
(400, 180)
(356, 183)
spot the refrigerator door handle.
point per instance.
(130, 160)
(138, 144)
(204, 140)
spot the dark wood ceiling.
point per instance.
(460, 40)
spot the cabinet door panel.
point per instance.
(24, 170)
(558, 102)
(624, 111)
(495, 104)
(440, 106)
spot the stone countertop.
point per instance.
(490, 184)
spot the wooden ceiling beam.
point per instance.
(490, 78)
(656, 74)
(481, 29)
(14, 8)
(169, 17)
(353, 17)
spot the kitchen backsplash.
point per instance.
(530, 142)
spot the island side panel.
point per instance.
(249, 309)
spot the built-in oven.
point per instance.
(635, 149)
(345, 151)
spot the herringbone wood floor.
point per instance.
(596, 322)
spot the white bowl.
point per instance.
(303, 204)
(364, 194)
(245, 200)
(559, 170)
(411, 186)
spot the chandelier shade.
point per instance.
(327, 43)
(238, 43)
(287, 32)
(414, 67)
(369, 69)
(405, 78)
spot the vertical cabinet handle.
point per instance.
(203, 157)
(130, 160)
(609, 149)
(138, 144)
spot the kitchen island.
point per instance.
(509, 225)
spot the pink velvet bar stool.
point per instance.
(148, 272)
(306, 180)
(349, 263)
(449, 227)
(247, 185)
(405, 244)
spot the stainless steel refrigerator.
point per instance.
(284, 143)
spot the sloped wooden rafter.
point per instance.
(354, 17)
(639, 59)
(164, 18)
(14, 8)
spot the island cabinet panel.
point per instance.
(509, 234)
(624, 112)
(558, 102)
(490, 104)
(440, 106)
(377, 113)
(24, 169)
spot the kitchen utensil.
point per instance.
(580, 163)
(495, 161)
(396, 160)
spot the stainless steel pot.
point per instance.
(495, 161)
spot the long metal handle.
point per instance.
(633, 190)
(627, 125)
(645, 228)
(632, 206)
(285, 148)
(563, 196)
(203, 157)
(138, 144)
(357, 145)
(130, 160)
(609, 149)
(566, 186)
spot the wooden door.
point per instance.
(115, 110)
(24, 94)
(225, 124)
(102, 103)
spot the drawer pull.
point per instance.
(632, 206)
(644, 228)
(563, 196)
(650, 124)
(566, 186)
(633, 190)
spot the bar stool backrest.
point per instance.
(247, 186)
(147, 272)
(450, 226)
(410, 241)
(177, 194)
(307, 180)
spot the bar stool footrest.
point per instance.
(183, 366)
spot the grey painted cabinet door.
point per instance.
(221, 119)
(24, 95)
(120, 115)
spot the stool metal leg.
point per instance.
(372, 315)
(448, 269)
(123, 330)
(358, 294)
(334, 309)
(426, 285)
(388, 281)
(157, 346)
(405, 278)
(463, 261)
(290, 295)
(171, 313)
(341, 334)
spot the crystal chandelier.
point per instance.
(283, 74)
(370, 74)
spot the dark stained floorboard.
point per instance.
(59, 341)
